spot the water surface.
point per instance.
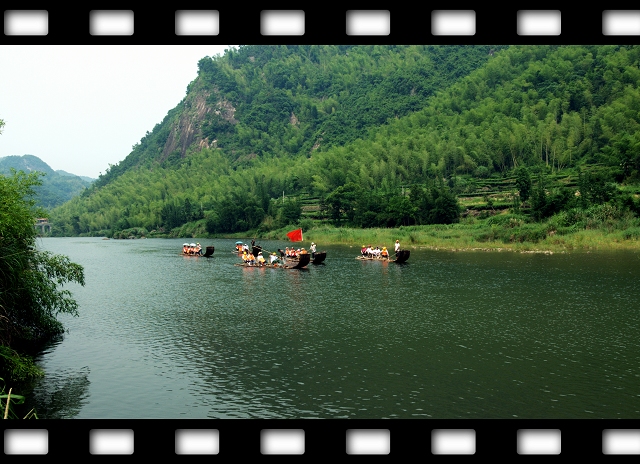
(445, 335)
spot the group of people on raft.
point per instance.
(377, 252)
(192, 249)
(274, 260)
(259, 260)
(240, 247)
(293, 252)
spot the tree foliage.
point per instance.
(523, 183)
(31, 294)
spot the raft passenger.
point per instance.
(384, 253)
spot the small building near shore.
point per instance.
(43, 225)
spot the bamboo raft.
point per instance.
(290, 263)
(207, 254)
(401, 257)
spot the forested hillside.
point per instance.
(379, 136)
(57, 187)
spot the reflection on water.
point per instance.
(445, 335)
(62, 395)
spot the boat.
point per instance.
(209, 251)
(207, 254)
(401, 257)
(298, 262)
(374, 258)
(290, 263)
(319, 257)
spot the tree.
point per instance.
(446, 209)
(30, 297)
(595, 188)
(400, 211)
(547, 203)
(539, 200)
(290, 212)
(523, 183)
(343, 201)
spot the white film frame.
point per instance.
(282, 441)
(197, 441)
(453, 22)
(368, 22)
(26, 22)
(111, 441)
(282, 22)
(197, 22)
(368, 441)
(111, 22)
(539, 22)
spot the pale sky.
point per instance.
(80, 108)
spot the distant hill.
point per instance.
(57, 187)
(68, 174)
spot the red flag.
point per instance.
(295, 235)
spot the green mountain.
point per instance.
(57, 187)
(375, 136)
(286, 101)
(68, 174)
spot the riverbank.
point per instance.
(505, 232)
(476, 237)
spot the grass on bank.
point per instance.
(8, 401)
(467, 237)
(603, 227)
(563, 233)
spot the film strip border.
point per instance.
(437, 24)
(237, 438)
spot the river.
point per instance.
(446, 335)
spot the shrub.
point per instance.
(507, 220)
(529, 233)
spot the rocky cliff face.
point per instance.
(188, 130)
